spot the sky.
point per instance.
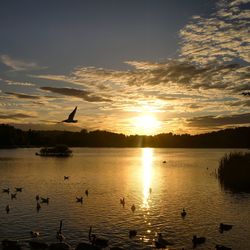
(130, 66)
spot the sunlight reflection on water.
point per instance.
(147, 161)
(109, 175)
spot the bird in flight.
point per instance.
(71, 117)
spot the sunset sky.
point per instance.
(131, 66)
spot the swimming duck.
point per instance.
(45, 200)
(100, 242)
(38, 206)
(133, 208)
(161, 242)
(66, 177)
(13, 196)
(37, 244)
(87, 246)
(7, 209)
(34, 234)
(59, 246)
(225, 227)
(59, 234)
(122, 201)
(132, 233)
(79, 199)
(19, 189)
(11, 244)
(198, 240)
(183, 213)
(6, 190)
(221, 247)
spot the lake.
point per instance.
(185, 180)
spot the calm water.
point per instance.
(184, 181)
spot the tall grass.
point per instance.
(234, 171)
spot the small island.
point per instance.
(58, 151)
(234, 172)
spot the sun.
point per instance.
(146, 124)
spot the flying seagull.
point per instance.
(71, 117)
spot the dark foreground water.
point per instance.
(186, 180)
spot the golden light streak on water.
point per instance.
(147, 162)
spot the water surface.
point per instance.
(186, 180)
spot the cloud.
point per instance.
(22, 96)
(19, 65)
(85, 95)
(214, 121)
(16, 116)
(28, 84)
(219, 38)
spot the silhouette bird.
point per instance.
(13, 196)
(37, 197)
(96, 241)
(132, 233)
(66, 177)
(38, 206)
(19, 189)
(246, 93)
(45, 200)
(87, 246)
(87, 192)
(122, 201)
(79, 199)
(6, 190)
(11, 244)
(59, 234)
(133, 208)
(7, 209)
(71, 117)
(225, 227)
(221, 247)
(164, 162)
(150, 190)
(161, 242)
(34, 234)
(183, 213)
(35, 244)
(198, 240)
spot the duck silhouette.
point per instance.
(221, 247)
(225, 227)
(71, 117)
(183, 213)
(198, 240)
(96, 241)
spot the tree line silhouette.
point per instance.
(227, 138)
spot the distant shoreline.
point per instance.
(227, 138)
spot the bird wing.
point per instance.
(72, 114)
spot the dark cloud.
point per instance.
(213, 121)
(15, 116)
(85, 95)
(22, 96)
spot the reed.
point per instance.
(234, 171)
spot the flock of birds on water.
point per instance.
(95, 242)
